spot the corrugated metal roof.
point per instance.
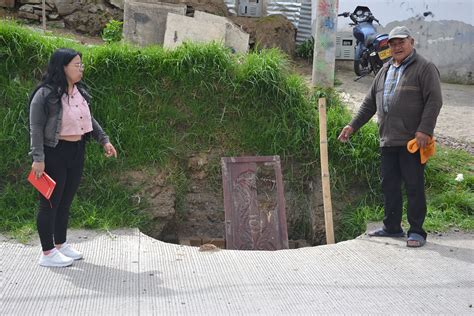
(231, 6)
(291, 10)
(304, 26)
(297, 12)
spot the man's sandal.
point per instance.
(415, 240)
(383, 233)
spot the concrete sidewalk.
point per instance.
(128, 273)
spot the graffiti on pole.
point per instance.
(325, 48)
(324, 8)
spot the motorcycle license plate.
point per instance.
(384, 54)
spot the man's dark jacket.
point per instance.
(414, 107)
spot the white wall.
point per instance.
(446, 36)
(397, 10)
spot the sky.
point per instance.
(387, 11)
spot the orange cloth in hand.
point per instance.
(426, 152)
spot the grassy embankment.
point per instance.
(160, 106)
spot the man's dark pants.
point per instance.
(400, 165)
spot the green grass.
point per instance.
(161, 106)
(158, 107)
(450, 203)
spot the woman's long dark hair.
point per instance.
(54, 75)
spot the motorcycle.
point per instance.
(371, 50)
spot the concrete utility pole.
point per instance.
(324, 59)
(324, 55)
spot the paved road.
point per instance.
(128, 273)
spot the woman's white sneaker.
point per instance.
(54, 259)
(67, 250)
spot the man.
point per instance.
(406, 95)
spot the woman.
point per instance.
(60, 122)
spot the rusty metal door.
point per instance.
(254, 203)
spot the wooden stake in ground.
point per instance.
(323, 146)
(324, 59)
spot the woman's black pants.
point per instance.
(64, 164)
(400, 165)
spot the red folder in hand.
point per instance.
(45, 185)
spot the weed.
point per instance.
(306, 49)
(112, 31)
